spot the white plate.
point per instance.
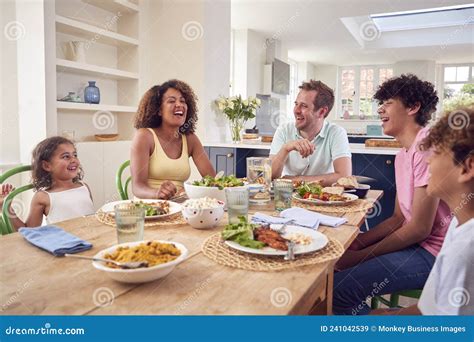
(319, 241)
(350, 198)
(174, 207)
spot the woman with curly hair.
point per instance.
(400, 251)
(164, 141)
(56, 176)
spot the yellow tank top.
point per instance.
(162, 168)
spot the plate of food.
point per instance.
(154, 209)
(267, 240)
(316, 194)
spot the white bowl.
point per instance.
(203, 218)
(139, 275)
(196, 191)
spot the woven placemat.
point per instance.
(108, 219)
(352, 207)
(215, 249)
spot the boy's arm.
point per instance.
(380, 231)
(417, 230)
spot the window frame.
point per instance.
(443, 82)
(356, 104)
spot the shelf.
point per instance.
(92, 33)
(63, 65)
(114, 5)
(74, 106)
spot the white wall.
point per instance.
(189, 41)
(9, 139)
(425, 70)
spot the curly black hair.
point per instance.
(149, 109)
(41, 178)
(410, 90)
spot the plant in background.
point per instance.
(238, 112)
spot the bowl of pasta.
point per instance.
(160, 257)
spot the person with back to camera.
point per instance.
(165, 122)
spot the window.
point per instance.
(293, 88)
(357, 85)
(458, 86)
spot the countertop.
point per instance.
(355, 148)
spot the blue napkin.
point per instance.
(298, 220)
(54, 240)
(307, 216)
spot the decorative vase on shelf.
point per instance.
(346, 115)
(91, 93)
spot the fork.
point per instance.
(282, 229)
(290, 255)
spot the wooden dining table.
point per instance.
(34, 282)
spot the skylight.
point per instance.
(460, 15)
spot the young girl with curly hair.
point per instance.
(166, 121)
(56, 176)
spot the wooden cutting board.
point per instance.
(382, 143)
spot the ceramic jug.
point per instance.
(77, 51)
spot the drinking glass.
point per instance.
(259, 171)
(237, 201)
(283, 189)
(130, 221)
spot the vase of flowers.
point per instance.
(238, 111)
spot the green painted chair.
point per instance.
(123, 187)
(5, 224)
(394, 299)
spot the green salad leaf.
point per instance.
(309, 188)
(242, 233)
(223, 182)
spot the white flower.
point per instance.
(246, 102)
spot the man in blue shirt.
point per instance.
(311, 148)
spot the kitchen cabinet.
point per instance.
(223, 159)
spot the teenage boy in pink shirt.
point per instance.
(451, 282)
(398, 253)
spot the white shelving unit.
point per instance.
(114, 5)
(77, 106)
(63, 65)
(110, 32)
(90, 32)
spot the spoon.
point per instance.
(124, 265)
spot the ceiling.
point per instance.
(313, 31)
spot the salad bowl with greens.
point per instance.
(212, 187)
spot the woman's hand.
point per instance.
(167, 190)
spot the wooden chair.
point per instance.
(5, 224)
(394, 298)
(123, 187)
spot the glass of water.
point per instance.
(283, 189)
(130, 221)
(237, 199)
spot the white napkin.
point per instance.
(300, 214)
(298, 220)
(262, 218)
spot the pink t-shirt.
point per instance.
(411, 171)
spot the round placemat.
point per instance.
(357, 205)
(215, 249)
(108, 219)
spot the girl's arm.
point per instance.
(200, 158)
(39, 203)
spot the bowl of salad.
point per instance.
(212, 187)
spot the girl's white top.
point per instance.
(68, 204)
